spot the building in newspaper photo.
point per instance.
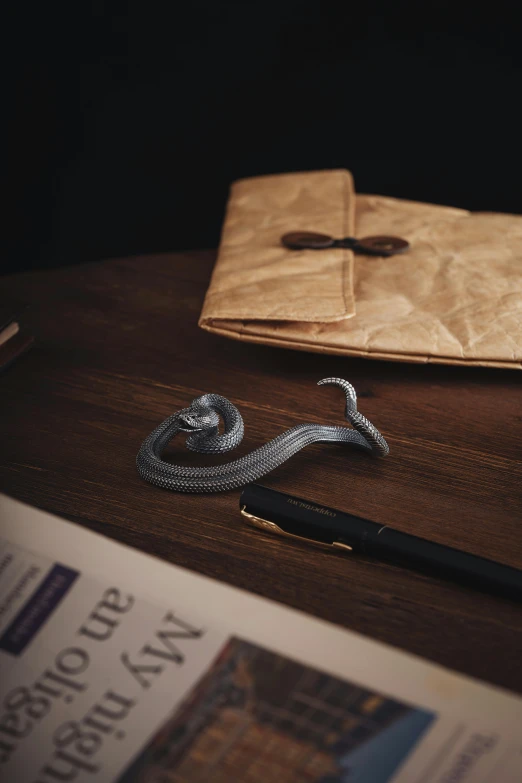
(257, 716)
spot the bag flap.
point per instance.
(256, 277)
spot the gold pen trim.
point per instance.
(265, 524)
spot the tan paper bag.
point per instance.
(455, 297)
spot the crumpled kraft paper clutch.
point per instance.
(455, 297)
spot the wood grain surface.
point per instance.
(118, 349)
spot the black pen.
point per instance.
(294, 517)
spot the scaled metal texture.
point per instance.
(200, 420)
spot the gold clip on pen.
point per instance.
(265, 524)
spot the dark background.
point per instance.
(128, 121)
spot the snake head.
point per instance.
(196, 418)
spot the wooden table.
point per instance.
(119, 349)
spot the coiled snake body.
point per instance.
(200, 420)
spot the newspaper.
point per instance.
(118, 667)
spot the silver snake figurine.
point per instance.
(201, 419)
